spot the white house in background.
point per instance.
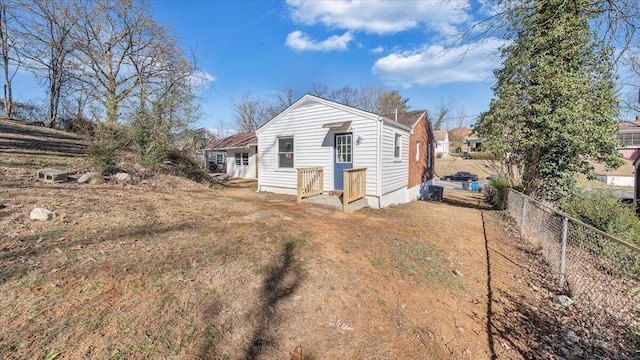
(235, 156)
(442, 142)
(315, 132)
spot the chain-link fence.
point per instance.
(598, 270)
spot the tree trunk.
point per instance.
(8, 96)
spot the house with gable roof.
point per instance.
(235, 156)
(395, 153)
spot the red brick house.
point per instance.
(421, 151)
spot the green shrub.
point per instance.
(497, 188)
(104, 144)
(604, 211)
(152, 139)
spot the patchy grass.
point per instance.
(168, 268)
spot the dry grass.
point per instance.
(167, 268)
(451, 164)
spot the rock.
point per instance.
(41, 214)
(563, 300)
(572, 337)
(534, 287)
(123, 177)
(92, 178)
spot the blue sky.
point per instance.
(259, 48)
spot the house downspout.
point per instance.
(379, 163)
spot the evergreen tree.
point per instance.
(555, 107)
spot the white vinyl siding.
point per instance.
(242, 163)
(395, 173)
(314, 145)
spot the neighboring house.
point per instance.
(636, 187)
(473, 144)
(629, 134)
(235, 156)
(315, 132)
(442, 142)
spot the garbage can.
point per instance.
(465, 185)
(475, 186)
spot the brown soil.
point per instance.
(167, 268)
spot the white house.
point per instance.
(234, 155)
(315, 132)
(442, 142)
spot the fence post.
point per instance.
(346, 190)
(524, 212)
(563, 249)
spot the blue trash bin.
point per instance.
(475, 186)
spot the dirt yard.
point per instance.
(167, 268)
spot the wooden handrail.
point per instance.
(310, 182)
(355, 186)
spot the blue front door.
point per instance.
(343, 158)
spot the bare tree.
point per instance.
(7, 46)
(106, 40)
(250, 113)
(285, 99)
(440, 118)
(390, 101)
(318, 89)
(46, 37)
(369, 98)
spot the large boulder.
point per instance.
(41, 214)
(92, 178)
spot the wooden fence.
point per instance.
(310, 182)
(355, 186)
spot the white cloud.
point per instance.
(381, 17)
(201, 78)
(435, 65)
(377, 50)
(298, 40)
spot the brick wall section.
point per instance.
(420, 171)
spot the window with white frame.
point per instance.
(418, 150)
(219, 158)
(285, 152)
(396, 147)
(242, 159)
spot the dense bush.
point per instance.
(152, 139)
(604, 211)
(104, 144)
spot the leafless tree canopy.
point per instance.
(106, 59)
(252, 112)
